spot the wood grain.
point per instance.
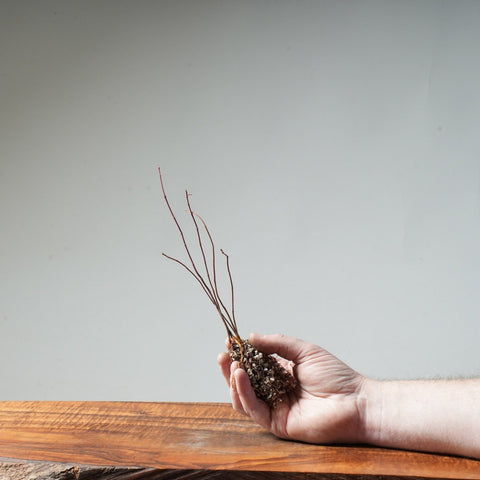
(185, 440)
(18, 470)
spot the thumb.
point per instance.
(289, 348)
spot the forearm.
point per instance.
(437, 416)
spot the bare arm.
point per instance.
(435, 415)
(333, 403)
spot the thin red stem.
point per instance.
(215, 286)
(192, 272)
(212, 291)
(232, 291)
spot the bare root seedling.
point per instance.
(270, 381)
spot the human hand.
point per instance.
(324, 408)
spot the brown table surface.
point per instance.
(198, 439)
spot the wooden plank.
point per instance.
(179, 439)
(23, 470)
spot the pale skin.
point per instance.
(334, 404)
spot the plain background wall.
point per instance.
(332, 146)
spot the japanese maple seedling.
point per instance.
(270, 380)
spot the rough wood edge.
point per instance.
(15, 469)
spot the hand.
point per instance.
(324, 408)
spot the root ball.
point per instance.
(270, 381)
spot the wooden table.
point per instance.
(152, 441)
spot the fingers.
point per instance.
(251, 405)
(224, 362)
(242, 395)
(290, 348)
(234, 395)
(228, 368)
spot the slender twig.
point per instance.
(178, 225)
(193, 273)
(215, 286)
(231, 288)
(202, 250)
(210, 288)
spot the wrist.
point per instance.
(370, 406)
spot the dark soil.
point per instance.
(270, 381)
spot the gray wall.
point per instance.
(332, 146)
